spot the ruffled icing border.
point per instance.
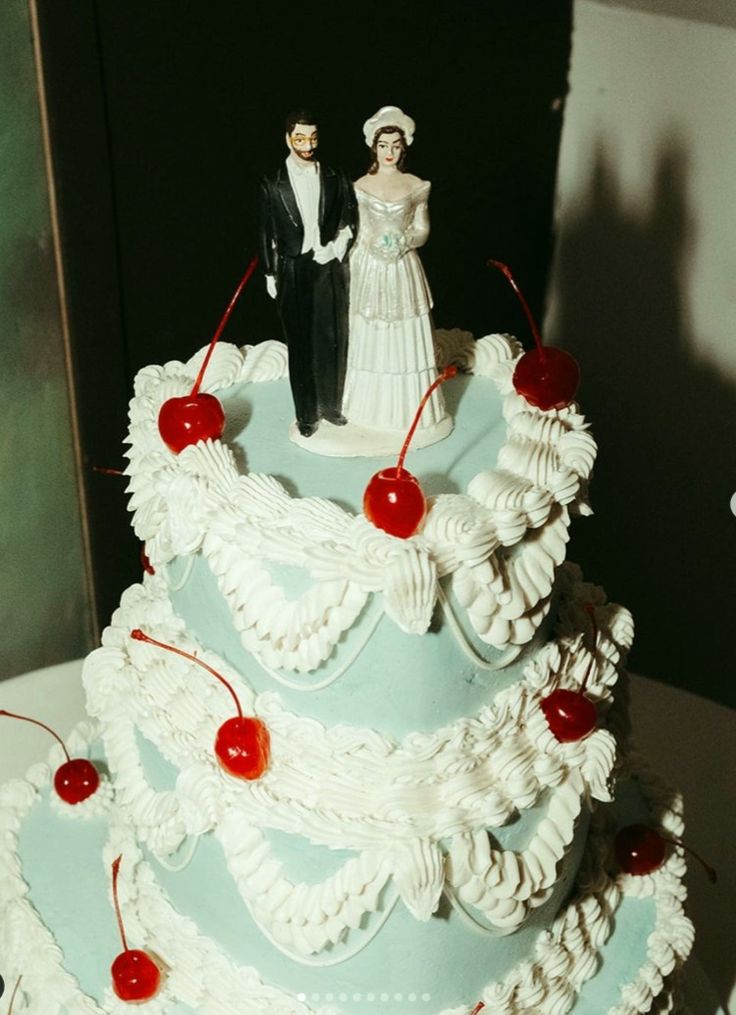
(198, 974)
(417, 812)
(501, 541)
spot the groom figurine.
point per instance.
(309, 220)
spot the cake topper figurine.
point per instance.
(391, 355)
(308, 222)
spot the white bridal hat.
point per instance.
(388, 116)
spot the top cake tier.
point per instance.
(283, 530)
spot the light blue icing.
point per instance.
(160, 774)
(399, 683)
(61, 860)
(62, 863)
(443, 958)
(258, 416)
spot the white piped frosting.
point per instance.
(501, 540)
(201, 976)
(392, 802)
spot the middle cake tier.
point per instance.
(472, 831)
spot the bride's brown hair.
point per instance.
(373, 167)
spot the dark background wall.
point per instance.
(165, 115)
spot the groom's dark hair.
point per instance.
(300, 116)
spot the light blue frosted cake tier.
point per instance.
(405, 959)
(398, 683)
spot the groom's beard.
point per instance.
(305, 156)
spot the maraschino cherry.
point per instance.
(242, 744)
(135, 976)
(641, 849)
(546, 376)
(198, 416)
(75, 780)
(394, 500)
(571, 715)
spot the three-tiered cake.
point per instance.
(423, 836)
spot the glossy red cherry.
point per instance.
(547, 377)
(135, 975)
(190, 418)
(198, 416)
(639, 849)
(393, 500)
(242, 744)
(76, 779)
(571, 715)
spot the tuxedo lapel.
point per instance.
(326, 193)
(288, 198)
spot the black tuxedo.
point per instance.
(312, 298)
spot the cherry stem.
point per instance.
(140, 636)
(105, 470)
(16, 988)
(446, 374)
(115, 873)
(590, 610)
(525, 306)
(37, 722)
(221, 327)
(479, 1007)
(710, 871)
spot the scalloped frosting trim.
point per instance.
(200, 975)
(351, 788)
(28, 947)
(501, 540)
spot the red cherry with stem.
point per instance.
(135, 976)
(547, 377)
(198, 416)
(571, 715)
(76, 779)
(190, 418)
(394, 500)
(640, 849)
(242, 744)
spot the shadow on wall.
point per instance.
(662, 537)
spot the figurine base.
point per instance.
(354, 441)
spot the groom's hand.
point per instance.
(271, 286)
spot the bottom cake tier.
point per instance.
(616, 945)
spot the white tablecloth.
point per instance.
(690, 740)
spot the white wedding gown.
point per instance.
(391, 357)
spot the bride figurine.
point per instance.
(391, 357)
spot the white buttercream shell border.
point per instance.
(198, 501)
(349, 788)
(199, 974)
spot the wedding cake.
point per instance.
(420, 826)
